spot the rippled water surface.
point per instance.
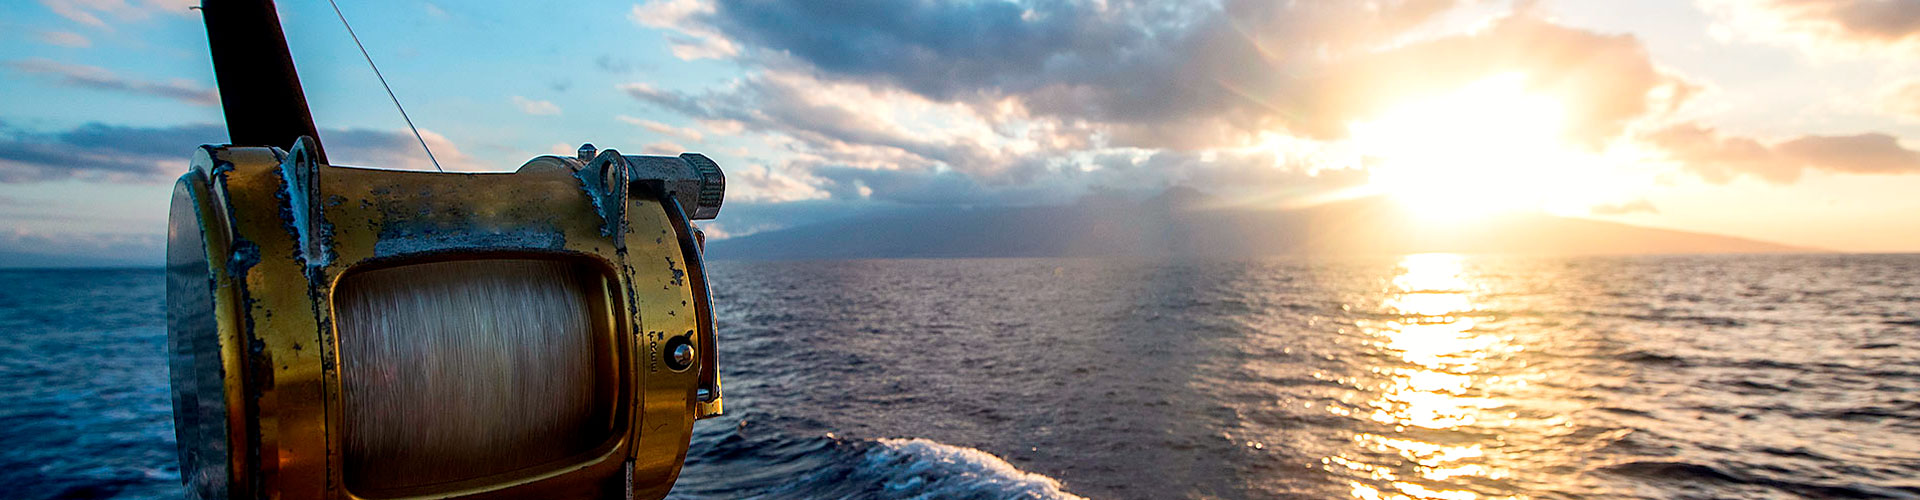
(1428, 376)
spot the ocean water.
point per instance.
(1427, 376)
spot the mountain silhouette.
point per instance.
(1183, 222)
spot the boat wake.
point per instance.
(825, 467)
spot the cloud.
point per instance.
(65, 39)
(925, 102)
(1604, 82)
(117, 153)
(1819, 24)
(94, 77)
(1636, 206)
(662, 128)
(850, 123)
(94, 150)
(80, 11)
(1181, 76)
(887, 97)
(1153, 74)
(535, 107)
(722, 127)
(938, 49)
(754, 183)
(909, 99)
(662, 148)
(687, 39)
(398, 149)
(612, 64)
(1903, 98)
(849, 141)
(89, 12)
(1720, 158)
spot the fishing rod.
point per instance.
(341, 332)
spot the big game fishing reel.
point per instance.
(353, 333)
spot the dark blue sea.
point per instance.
(1422, 377)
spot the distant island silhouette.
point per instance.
(1183, 222)
(1179, 222)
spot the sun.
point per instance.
(1489, 147)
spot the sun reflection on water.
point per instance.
(1434, 402)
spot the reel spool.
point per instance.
(348, 333)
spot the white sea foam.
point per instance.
(925, 469)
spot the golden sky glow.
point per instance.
(1488, 147)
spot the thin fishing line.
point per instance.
(383, 83)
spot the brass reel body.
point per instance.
(326, 339)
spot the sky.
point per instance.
(1791, 121)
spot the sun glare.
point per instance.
(1489, 147)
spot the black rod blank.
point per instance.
(259, 90)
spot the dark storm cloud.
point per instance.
(153, 154)
(1720, 158)
(92, 77)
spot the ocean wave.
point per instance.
(1698, 474)
(779, 466)
(921, 468)
(1671, 471)
(1645, 356)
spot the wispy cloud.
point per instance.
(126, 154)
(757, 183)
(98, 78)
(1903, 98)
(611, 64)
(536, 107)
(662, 128)
(65, 39)
(687, 39)
(90, 12)
(80, 11)
(1635, 206)
(663, 148)
(398, 149)
(1839, 27)
(1720, 158)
